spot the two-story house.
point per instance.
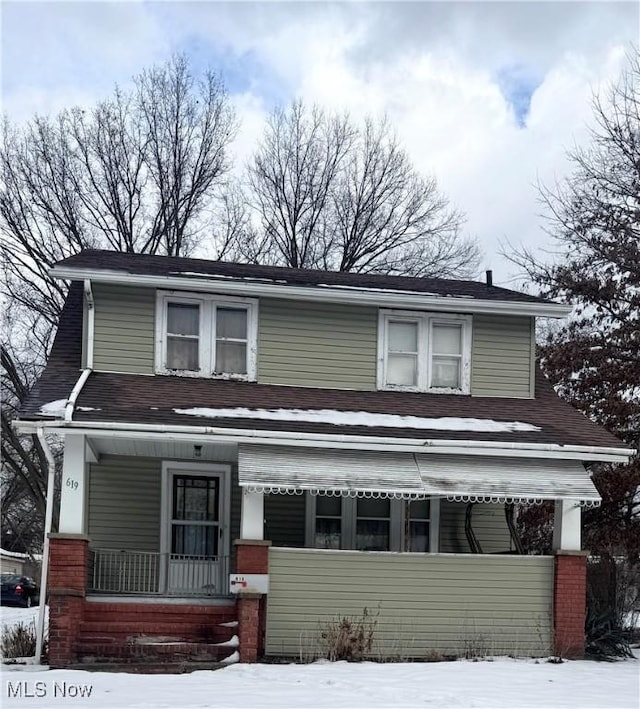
(251, 452)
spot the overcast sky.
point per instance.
(485, 96)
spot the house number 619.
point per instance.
(73, 484)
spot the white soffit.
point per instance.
(505, 479)
(323, 293)
(285, 469)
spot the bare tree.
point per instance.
(143, 171)
(292, 176)
(332, 194)
(594, 361)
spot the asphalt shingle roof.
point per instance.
(143, 264)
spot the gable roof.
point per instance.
(113, 399)
(174, 272)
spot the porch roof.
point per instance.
(285, 469)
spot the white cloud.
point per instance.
(431, 67)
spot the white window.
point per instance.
(366, 524)
(424, 351)
(206, 336)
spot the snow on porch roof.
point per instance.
(284, 469)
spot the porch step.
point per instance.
(151, 651)
(117, 630)
(166, 635)
(147, 668)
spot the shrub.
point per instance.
(607, 592)
(349, 638)
(18, 641)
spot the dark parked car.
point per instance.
(19, 590)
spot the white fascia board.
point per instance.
(327, 294)
(407, 445)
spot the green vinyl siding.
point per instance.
(422, 603)
(284, 518)
(124, 503)
(124, 333)
(488, 523)
(317, 344)
(502, 356)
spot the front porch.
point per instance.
(147, 532)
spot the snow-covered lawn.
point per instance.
(13, 616)
(499, 683)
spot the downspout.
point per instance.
(91, 319)
(48, 519)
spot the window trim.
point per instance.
(207, 334)
(425, 322)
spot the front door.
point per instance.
(195, 539)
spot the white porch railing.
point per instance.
(141, 572)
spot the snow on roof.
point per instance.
(363, 418)
(53, 408)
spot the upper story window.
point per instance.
(207, 336)
(424, 351)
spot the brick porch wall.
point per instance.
(569, 604)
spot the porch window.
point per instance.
(205, 335)
(418, 520)
(424, 351)
(328, 524)
(373, 524)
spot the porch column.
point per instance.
(68, 568)
(252, 515)
(570, 581)
(252, 557)
(73, 494)
(566, 525)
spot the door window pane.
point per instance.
(195, 499)
(194, 540)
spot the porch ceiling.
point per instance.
(165, 449)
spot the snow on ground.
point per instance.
(516, 684)
(13, 616)
(500, 683)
